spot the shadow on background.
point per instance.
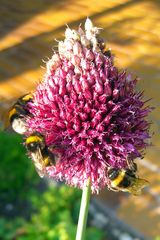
(15, 13)
(29, 53)
(138, 51)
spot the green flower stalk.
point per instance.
(83, 212)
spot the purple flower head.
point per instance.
(88, 110)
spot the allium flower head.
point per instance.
(88, 110)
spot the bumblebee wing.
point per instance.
(52, 155)
(4, 120)
(4, 111)
(37, 159)
(137, 186)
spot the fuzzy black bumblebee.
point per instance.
(40, 154)
(125, 180)
(18, 112)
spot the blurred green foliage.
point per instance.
(54, 216)
(41, 213)
(17, 174)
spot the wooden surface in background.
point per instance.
(131, 29)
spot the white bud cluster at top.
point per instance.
(72, 46)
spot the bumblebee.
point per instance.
(125, 180)
(18, 112)
(40, 154)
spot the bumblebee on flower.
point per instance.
(90, 111)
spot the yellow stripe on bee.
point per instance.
(31, 139)
(12, 112)
(46, 161)
(27, 97)
(118, 179)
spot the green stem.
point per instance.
(83, 214)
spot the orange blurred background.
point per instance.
(28, 30)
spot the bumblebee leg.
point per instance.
(113, 189)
